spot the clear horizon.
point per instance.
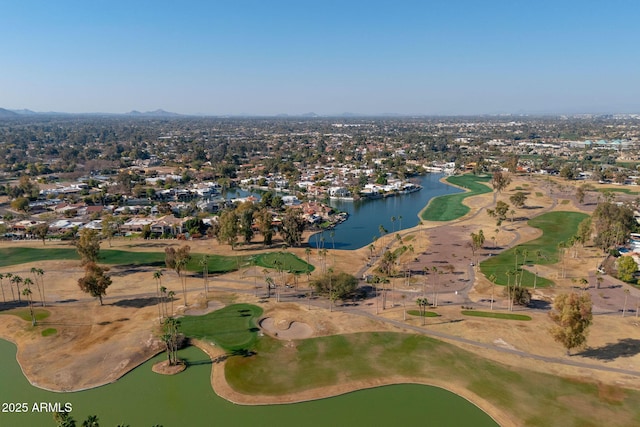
(368, 58)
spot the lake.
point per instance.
(143, 398)
(366, 216)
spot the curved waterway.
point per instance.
(143, 398)
(366, 216)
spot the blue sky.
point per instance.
(328, 57)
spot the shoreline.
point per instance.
(222, 388)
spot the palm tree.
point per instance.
(27, 293)
(435, 285)
(204, 263)
(4, 300)
(163, 298)
(422, 304)
(269, 281)
(157, 275)
(509, 274)
(91, 421)
(40, 273)
(492, 279)
(17, 280)
(626, 296)
(180, 265)
(330, 271)
(382, 231)
(36, 273)
(424, 283)
(170, 295)
(400, 220)
(307, 252)
(9, 276)
(393, 224)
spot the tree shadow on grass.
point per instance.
(627, 347)
(243, 352)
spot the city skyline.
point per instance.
(369, 58)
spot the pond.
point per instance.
(143, 398)
(366, 216)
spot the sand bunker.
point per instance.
(286, 329)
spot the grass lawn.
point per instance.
(280, 368)
(618, 190)
(491, 314)
(426, 313)
(24, 313)
(49, 331)
(450, 207)
(217, 263)
(233, 328)
(556, 227)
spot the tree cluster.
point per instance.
(572, 317)
(338, 285)
(612, 223)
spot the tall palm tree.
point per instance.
(17, 280)
(435, 285)
(170, 295)
(9, 276)
(204, 263)
(27, 293)
(422, 304)
(40, 273)
(157, 275)
(626, 296)
(307, 252)
(180, 266)
(393, 224)
(91, 421)
(163, 298)
(4, 300)
(37, 272)
(400, 220)
(330, 271)
(492, 279)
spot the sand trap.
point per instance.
(285, 329)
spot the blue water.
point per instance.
(366, 216)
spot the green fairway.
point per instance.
(279, 368)
(450, 207)
(556, 227)
(492, 315)
(284, 260)
(216, 263)
(426, 313)
(618, 190)
(233, 328)
(24, 313)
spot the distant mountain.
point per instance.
(156, 113)
(311, 114)
(25, 112)
(7, 113)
